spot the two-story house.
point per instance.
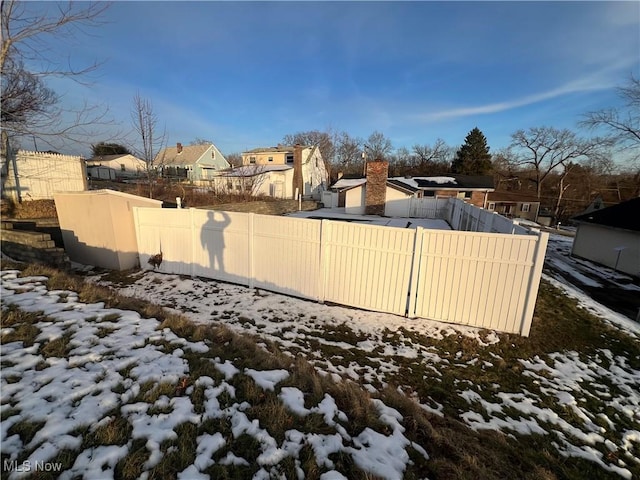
(280, 172)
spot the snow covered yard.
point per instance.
(565, 401)
(102, 393)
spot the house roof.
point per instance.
(189, 155)
(108, 158)
(512, 196)
(625, 215)
(452, 181)
(398, 185)
(347, 183)
(413, 184)
(279, 148)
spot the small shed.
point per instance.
(611, 237)
(98, 227)
(99, 172)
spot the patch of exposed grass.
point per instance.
(25, 429)
(115, 432)
(57, 348)
(22, 332)
(131, 466)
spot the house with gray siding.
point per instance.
(611, 237)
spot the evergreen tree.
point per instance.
(102, 148)
(473, 157)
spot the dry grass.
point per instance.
(29, 209)
(455, 451)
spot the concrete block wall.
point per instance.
(31, 246)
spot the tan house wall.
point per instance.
(111, 241)
(279, 158)
(354, 202)
(397, 203)
(602, 245)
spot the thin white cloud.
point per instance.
(606, 78)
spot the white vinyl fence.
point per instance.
(481, 279)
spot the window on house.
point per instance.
(271, 159)
(467, 194)
(229, 185)
(492, 206)
(252, 159)
(289, 157)
(213, 154)
(525, 207)
(122, 167)
(428, 193)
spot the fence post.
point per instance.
(193, 241)
(324, 259)
(136, 225)
(415, 272)
(488, 225)
(250, 241)
(534, 283)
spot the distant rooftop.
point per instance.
(279, 148)
(625, 215)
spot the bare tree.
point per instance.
(546, 149)
(622, 124)
(378, 147)
(323, 140)
(145, 124)
(29, 107)
(426, 153)
(348, 158)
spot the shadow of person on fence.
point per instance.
(212, 238)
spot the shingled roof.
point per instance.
(625, 215)
(449, 181)
(188, 156)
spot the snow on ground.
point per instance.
(587, 280)
(68, 394)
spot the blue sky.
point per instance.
(245, 74)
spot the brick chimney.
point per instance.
(297, 169)
(179, 147)
(376, 189)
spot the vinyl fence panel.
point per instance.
(167, 231)
(428, 207)
(480, 279)
(220, 242)
(477, 279)
(367, 266)
(286, 255)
